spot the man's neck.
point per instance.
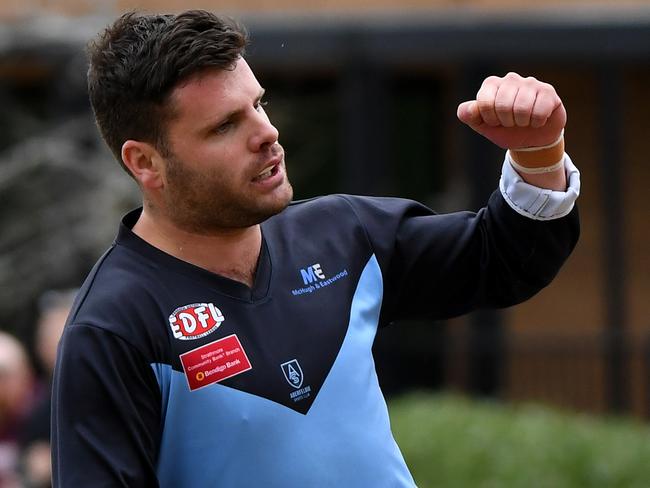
(232, 253)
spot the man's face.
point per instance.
(225, 167)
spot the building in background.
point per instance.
(365, 94)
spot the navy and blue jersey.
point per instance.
(169, 375)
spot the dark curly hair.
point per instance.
(139, 59)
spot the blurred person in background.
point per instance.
(16, 400)
(225, 339)
(35, 456)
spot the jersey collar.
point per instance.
(126, 237)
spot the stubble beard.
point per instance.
(206, 204)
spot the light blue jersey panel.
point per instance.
(222, 437)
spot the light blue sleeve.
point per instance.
(539, 203)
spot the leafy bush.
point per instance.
(453, 442)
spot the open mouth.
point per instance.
(268, 172)
(271, 169)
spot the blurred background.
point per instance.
(364, 93)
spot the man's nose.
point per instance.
(265, 134)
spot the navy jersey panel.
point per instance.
(105, 413)
(170, 375)
(441, 266)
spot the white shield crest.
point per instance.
(292, 373)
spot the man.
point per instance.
(16, 400)
(36, 468)
(225, 338)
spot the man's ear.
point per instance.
(144, 162)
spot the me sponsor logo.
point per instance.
(312, 273)
(314, 279)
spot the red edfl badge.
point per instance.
(195, 321)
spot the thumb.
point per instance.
(469, 114)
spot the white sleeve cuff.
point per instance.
(539, 203)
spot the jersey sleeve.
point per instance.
(442, 265)
(105, 412)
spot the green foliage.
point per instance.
(454, 442)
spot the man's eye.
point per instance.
(260, 105)
(223, 128)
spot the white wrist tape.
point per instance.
(536, 171)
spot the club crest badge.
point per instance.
(293, 373)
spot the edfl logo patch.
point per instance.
(194, 321)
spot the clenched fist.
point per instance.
(515, 112)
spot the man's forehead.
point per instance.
(217, 83)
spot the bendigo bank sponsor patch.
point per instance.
(214, 362)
